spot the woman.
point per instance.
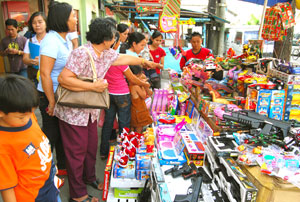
(38, 26)
(79, 125)
(120, 100)
(123, 31)
(54, 52)
(158, 55)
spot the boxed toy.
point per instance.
(223, 146)
(142, 174)
(263, 102)
(234, 182)
(194, 150)
(107, 171)
(277, 104)
(203, 130)
(177, 86)
(127, 193)
(213, 161)
(181, 159)
(142, 161)
(127, 172)
(292, 106)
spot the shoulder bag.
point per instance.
(83, 99)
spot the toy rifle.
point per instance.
(257, 121)
(193, 194)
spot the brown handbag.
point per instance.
(83, 99)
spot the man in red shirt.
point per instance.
(197, 50)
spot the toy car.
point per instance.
(279, 83)
(289, 68)
(259, 86)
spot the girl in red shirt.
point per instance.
(158, 55)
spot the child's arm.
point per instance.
(149, 92)
(9, 195)
(141, 92)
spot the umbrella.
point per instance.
(270, 2)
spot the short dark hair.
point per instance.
(196, 34)
(122, 27)
(58, 16)
(17, 94)
(38, 13)
(100, 30)
(12, 22)
(136, 69)
(113, 21)
(136, 37)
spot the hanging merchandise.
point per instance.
(148, 5)
(277, 20)
(298, 4)
(286, 15)
(168, 19)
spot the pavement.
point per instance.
(100, 164)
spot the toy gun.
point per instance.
(226, 141)
(194, 172)
(257, 121)
(176, 171)
(185, 169)
(171, 170)
(193, 192)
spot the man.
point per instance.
(197, 50)
(12, 46)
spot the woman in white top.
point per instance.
(37, 25)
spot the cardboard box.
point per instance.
(271, 189)
(107, 171)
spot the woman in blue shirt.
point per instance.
(54, 52)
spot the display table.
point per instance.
(271, 189)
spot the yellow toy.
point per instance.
(149, 136)
(219, 100)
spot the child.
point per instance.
(27, 171)
(140, 115)
(158, 55)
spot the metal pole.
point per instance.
(222, 6)
(262, 19)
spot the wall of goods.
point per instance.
(220, 140)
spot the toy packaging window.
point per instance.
(190, 108)
(195, 118)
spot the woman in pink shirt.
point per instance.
(120, 101)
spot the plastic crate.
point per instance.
(284, 76)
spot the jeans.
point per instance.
(51, 130)
(119, 104)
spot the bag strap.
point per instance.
(92, 64)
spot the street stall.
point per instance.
(233, 139)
